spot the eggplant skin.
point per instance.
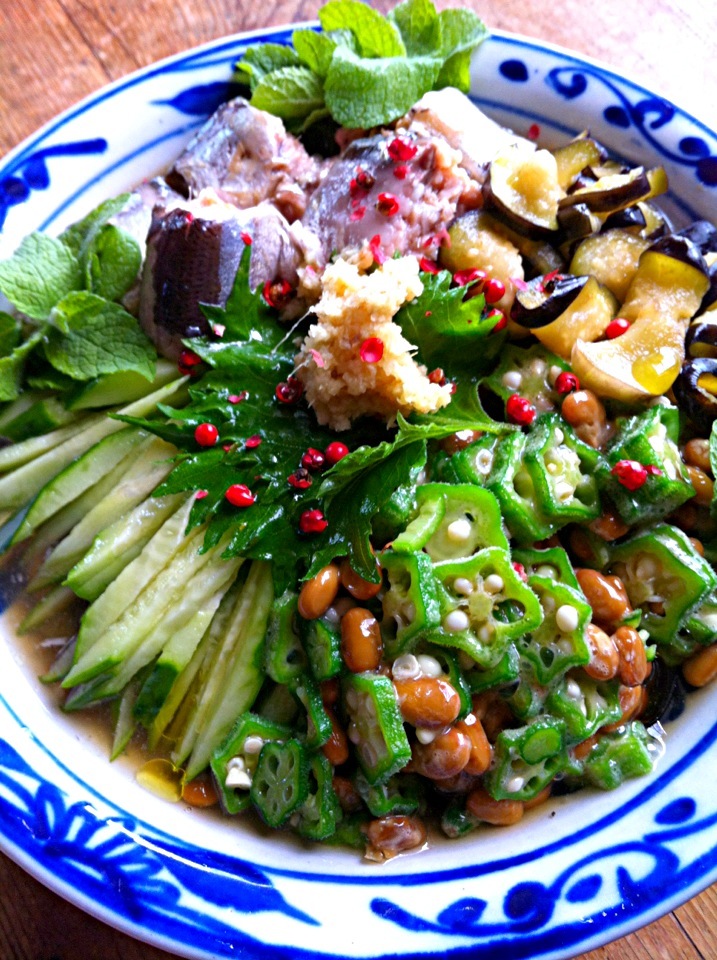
(541, 303)
(698, 403)
(181, 271)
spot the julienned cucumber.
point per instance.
(154, 601)
(18, 454)
(234, 676)
(119, 388)
(123, 591)
(115, 547)
(42, 416)
(22, 484)
(79, 477)
(139, 475)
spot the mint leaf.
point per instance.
(315, 50)
(113, 262)
(12, 367)
(376, 36)
(10, 333)
(40, 272)
(292, 93)
(449, 331)
(80, 235)
(366, 93)
(419, 26)
(461, 32)
(92, 336)
(261, 60)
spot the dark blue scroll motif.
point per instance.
(141, 878)
(203, 99)
(648, 114)
(30, 171)
(529, 907)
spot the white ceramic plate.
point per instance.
(575, 873)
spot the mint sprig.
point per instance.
(365, 69)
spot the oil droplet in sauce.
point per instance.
(657, 371)
(162, 779)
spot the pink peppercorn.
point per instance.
(519, 410)
(631, 474)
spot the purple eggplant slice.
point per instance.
(193, 252)
(696, 391)
(544, 299)
(522, 188)
(680, 248)
(615, 191)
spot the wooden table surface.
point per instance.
(53, 52)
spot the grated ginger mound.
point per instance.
(354, 306)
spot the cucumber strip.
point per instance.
(55, 603)
(136, 481)
(19, 454)
(203, 592)
(144, 616)
(17, 407)
(60, 666)
(181, 698)
(125, 589)
(232, 687)
(43, 416)
(79, 477)
(119, 388)
(125, 724)
(21, 485)
(115, 547)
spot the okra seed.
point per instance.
(493, 583)
(548, 604)
(559, 436)
(405, 667)
(456, 621)
(237, 774)
(644, 635)
(512, 380)
(369, 754)
(564, 491)
(353, 733)
(459, 530)
(538, 368)
(646, 569)
(554, 373)
(463, 586)
(515, 784)
(547, 570)
(572, 689)
(552, 468)
(484, 462)
(485, 633)
(566, 618)
(430, 667)
(352, 700)
(427, 735)
(253, 745)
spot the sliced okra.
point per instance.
(515, 491)
(584, 704)
(320, 812)
(285, 659)
(558, 643)
(552, 562)
(322, 643)
(474, 595)
(401, 794)
(702, 624)
(453, 521)
(527, 699)
(376, 725)
(665, 577)
(473, 464)
(650, 439)
(234, 762)
(411, 606)
(530, 372)
(619, 756)
(281, 781)
(561, 467)
(526, 759)
(318, 722)
(456, 821)
(504, 674)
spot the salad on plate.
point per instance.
(366, 456)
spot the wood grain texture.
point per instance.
(63, 50)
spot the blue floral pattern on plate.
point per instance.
(579, 871)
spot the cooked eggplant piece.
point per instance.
(631, 219)
(703, 234)
(696, 391)
(615, 191)
(680, 248)
(657, 223)
(522, 188)
(577, 222)
(586, 318)
(611, 257)
(193, 252)
(710, 298)
(645, 361)
(701, 339)
(576, 156)
(544, 299)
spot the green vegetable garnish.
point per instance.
(365, 69)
